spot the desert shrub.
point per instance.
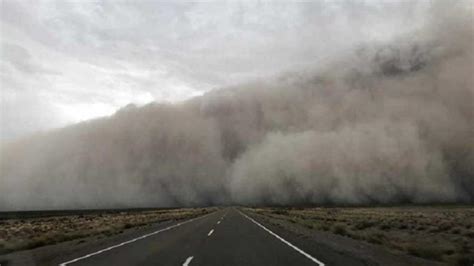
(385, 227)
(376, 238)
(427, 251)
(339, 229)
(402, 226)
(280, 212)
(323, 227)
(449, 251)
(463, 260)
(469, 234)
(444, 227)
(456, 230)
(363, 225)
(310, 226)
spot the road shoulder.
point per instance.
(329, 246)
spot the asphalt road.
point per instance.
(225, 237)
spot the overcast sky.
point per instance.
(68, 61)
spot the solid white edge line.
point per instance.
(131, 241)
(285, 241)
(188, 260)
(210, 232)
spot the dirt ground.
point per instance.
(443, 233)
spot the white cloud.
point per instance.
(72, 60)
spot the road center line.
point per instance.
(131, 241)
(210, 232)
(284, 241)
(218, 222)
(188, 260)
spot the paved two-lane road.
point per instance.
(225, 237)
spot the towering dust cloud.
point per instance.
(388, 123)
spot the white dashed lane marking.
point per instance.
(188, 260)
(210, 232)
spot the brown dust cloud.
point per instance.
(384, 123)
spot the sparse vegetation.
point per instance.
(443, 234)
(19, 234)
(339, 229)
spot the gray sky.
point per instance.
(69, 61)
